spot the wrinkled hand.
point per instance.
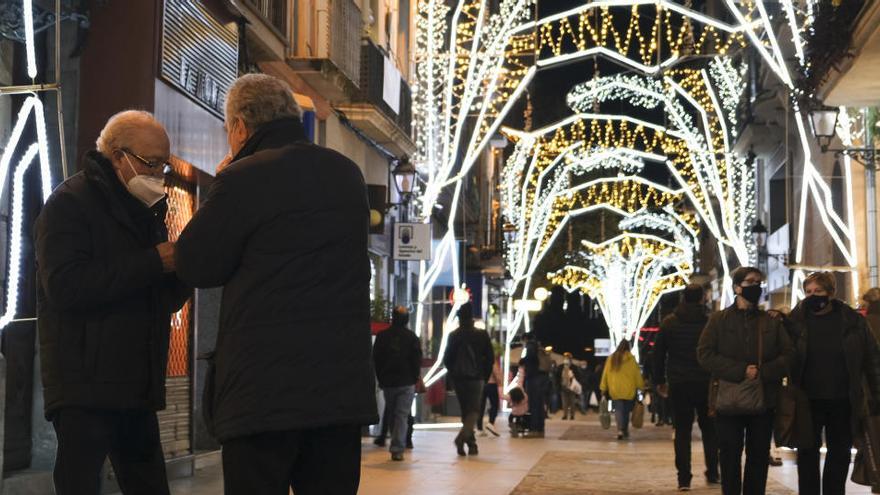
(223, 163)
(663, 390)
(166, 253)
(752, 372)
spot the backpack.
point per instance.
(465, 364)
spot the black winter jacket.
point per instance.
(675, 349)
(103, 303)
(480, 345)
(729, 345)
(860, 352)
(397, 355)
(284, 229)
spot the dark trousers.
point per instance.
(490, 394)
(756, 431)
(468, 393)
(314, 461)
(833, 416)
(622, 410)
(687, 398)
(536, 388)
(86, 437)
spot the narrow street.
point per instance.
(574, 458)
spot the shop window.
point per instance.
(181, 205)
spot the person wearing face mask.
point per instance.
(836, 355)
(729, 350)
(106, 289)
(569, 386)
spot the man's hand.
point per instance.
(224, 163)
(663, 390)
(166, 252)
(752, 372)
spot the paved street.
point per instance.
(592, 462)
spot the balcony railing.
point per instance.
(331, 30)
(373, 79)
(274, 11)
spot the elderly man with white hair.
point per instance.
(106, 291)
(284, 230)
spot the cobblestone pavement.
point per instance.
(597, 465)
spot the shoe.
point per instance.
(483, 433)
(459, 447)
(492, 430)
(534, 434)
(775, 461)
(564, 418)
(712, 480)
(409, 444)
(684, 488)
(472, 448)
(396, 456)
(379, 442)
(620, 435)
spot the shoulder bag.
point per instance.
(747, 396)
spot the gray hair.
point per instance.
(259, 99)
(119, 128)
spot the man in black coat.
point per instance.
(284, 229)
(678, 374)
(397, 355)
(105, 295)
(468, 360)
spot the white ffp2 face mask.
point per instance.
(147, 188)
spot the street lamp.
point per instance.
(824, 123)
(759, 234)
(404, 174)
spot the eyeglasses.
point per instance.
(148, 163)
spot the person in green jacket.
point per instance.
(621, 381)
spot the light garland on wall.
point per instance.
(39, 151)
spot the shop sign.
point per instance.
(412, 241)
(199, 54)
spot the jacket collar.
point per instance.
(848, 315)
(120, 203)
(690, 312)
(275, 134)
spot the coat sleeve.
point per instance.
(449, 354)
(660, 350)
(872, 361)
(416, 358)
(175, 293)
(639, 379)
(603, 385)
(778, 367)
(378, 353)
(210, 247)
(70, 273)
(712, 360)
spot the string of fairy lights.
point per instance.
(475, 62)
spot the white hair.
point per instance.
(119, 129)
(260, 98)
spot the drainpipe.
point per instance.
(871, 198)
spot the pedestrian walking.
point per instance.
(871, 300)
(397, 356)
(680, 377)
(570, 386)
(835, 355)
(468, 360)
(284, 230)
(537, 366)
(747, 353)
(621, 382)
(106, 290)
(491, 395)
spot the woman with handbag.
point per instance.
(835, 355)
(621, 381)
(747, 353)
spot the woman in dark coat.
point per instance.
(835, 355)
